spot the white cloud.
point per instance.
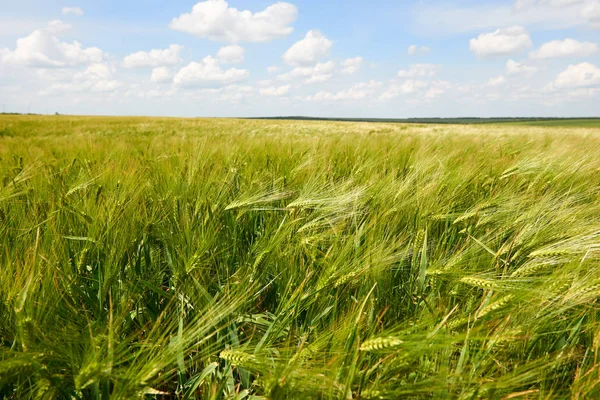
(154, 58)
(523, 5)
(232, 54)
(349, 94)
(229, 94)
(42, 49)
(208, 73)
(320, 73)
(582, 93)
(505, 41)
(369, 85)
(412, 86)
(560, 3)
(57, 27)
(497, 81)
(437, 89)
(517, 68)
(272, 69)
(309, 50)
(407, 87)
(360, 91)
(418, 90)
(352, 65)
(215, 20)
(414, 50)
(591, 12)
(419, 70)
(95, 78)
(565, 48)
(160, 75)
(164, 94)
(235, 93)
(443, 17)
(275, 91)
(77, 11)
(55, 74)
(95, 72)
(578, 76)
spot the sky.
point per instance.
(335, 58)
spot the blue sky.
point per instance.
(335, 58)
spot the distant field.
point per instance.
(583, 123)
(223, 258)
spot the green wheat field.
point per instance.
(246, 259)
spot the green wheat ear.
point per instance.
(381, 343)
(531, 269)
(548, 253)
(503, 302)
(10, 369)
(236, 357)
(478, 282)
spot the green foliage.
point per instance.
(232, 259)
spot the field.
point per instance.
(232, 259)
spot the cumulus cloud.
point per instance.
(524, 5)
(309, 50)
(154, 58)
(359, 91)
(453, 17)
(369, 85)
(264, 83)
(407, 87)
(350, 94)
(42, 49)
(95, 71)
(164, 94)
(436, 89)
(420, 90)
(96, 77)
(505, 41)
(320, 73)
(77, 11)
(232, 54)
(275, 91)
(578, 76)
(229, 94)
(272, 69)
(351, 65)
(215, 20)
(160, 75)
(517, 68)
(208, 73)
(419, 70)
(235, 93)
(414, 50)
(56, 27)
(497, 81)
(565, 48)
(591, 12)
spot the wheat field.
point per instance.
(238, 259)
